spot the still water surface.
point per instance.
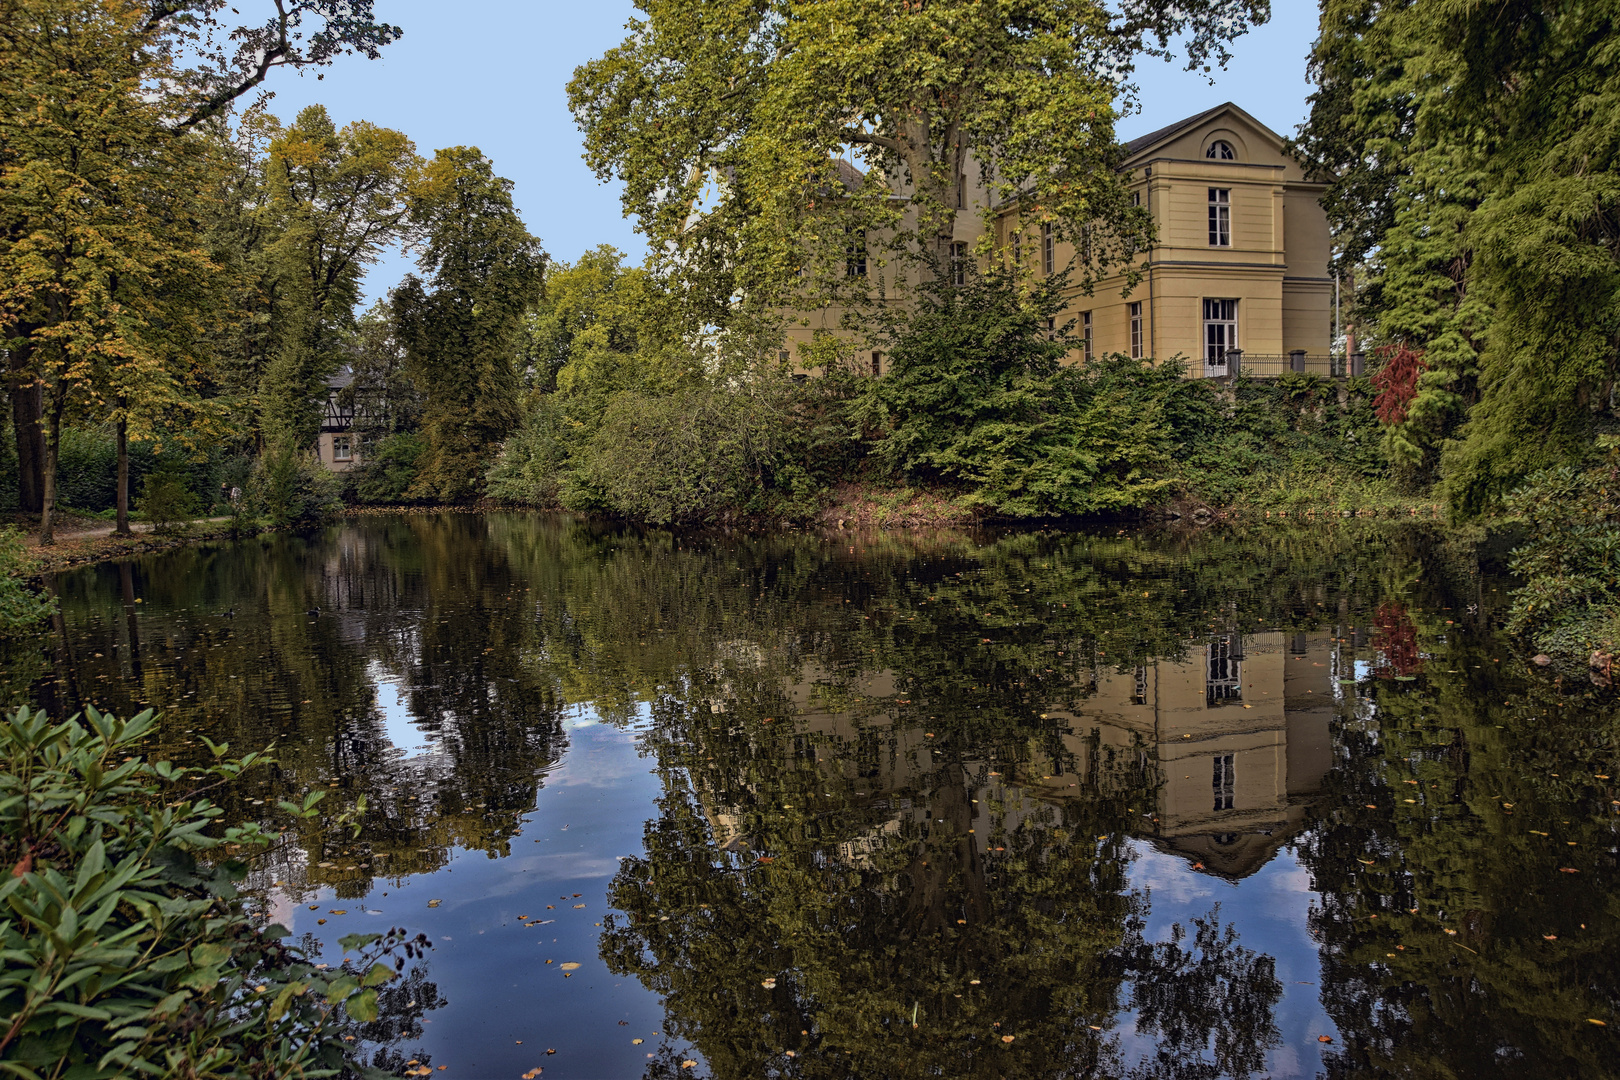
(1263, 804)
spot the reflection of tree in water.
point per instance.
(1216, 996)
(1472, 793)
(820, 892)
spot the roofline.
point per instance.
(1140, 146)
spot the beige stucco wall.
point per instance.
(324, 447)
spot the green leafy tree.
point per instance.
(1474, 169)
(91, 90)
(729, 124)
(462, 331)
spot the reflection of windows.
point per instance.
(1225, 839)
(1220, 217)
(1225, 777)
(958, 263)
(1220, 150)
(342, 449)
(1223, 681)
(1135, 311)
(1139, 695)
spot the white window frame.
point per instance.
(1220, 333)
(342, 448)
(1220, 217)
(1215, 151)
(1223, 781)
(959, 257)
(1138, 320)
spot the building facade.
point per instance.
(1240, 264)
(1241, 259)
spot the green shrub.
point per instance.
(978, 400)
(166, 499)
(289, 487)
(389, 468)
(127, 949)
(20, 607)
(687, 458)
(533, 464)
(1569, 604)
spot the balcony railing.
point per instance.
(1270, 366)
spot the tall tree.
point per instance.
(99, 280)
(729, 123)
(1485, 193)
(339, 197)
(190, 63)
(463, 330)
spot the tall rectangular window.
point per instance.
(1048, 249)
(1220, 334)
(1136, 198)
(961, 191)
(1085, 330)
(1225, 781)
(855, 253)
(1139, 693)
(959, 254)
(1220, 217)
(1138, 349)
(1018, 250)
(1223, 681)
(877, 363)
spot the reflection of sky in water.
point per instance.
(1269, 909)
(506, 1005)
(398, 723)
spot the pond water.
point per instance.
(1119, 804)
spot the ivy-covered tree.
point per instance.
(1474, 168)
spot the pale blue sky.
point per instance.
(490, 73)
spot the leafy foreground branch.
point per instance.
(124, 946)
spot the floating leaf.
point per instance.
(570, 966)
(1007, 1038)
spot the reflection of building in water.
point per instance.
(1233, 736)
(1240, 727)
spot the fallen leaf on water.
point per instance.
(1568, 870)
(769, 984)
(688, 1064)
(637, 1042)
(320, 922)
(790, 1053)
(1007, 1038)
(1550, 937)
(1599, 1023)
(1453, 933)
(434, 903)
(570, 966)
(1372, 806)
(531, 1074)
(578, 906)
(1197, 866)
(338, 911)
(1324, 1038)
(1365, 862)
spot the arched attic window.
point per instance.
(1221, 150)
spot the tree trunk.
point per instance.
(27, 411)
(122, 528)
(53, 447)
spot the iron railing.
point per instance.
(1263, 366)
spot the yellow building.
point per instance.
(1240, 263)
(1241, 260)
